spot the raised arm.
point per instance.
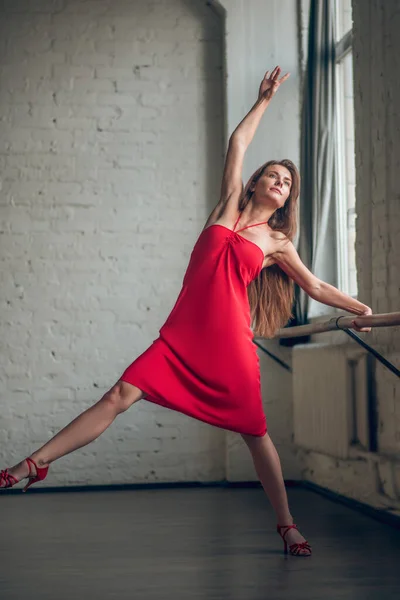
(232, 184)
(289, 261)
(268, 87)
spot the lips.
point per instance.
(276, 190)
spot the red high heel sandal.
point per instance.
(10, 480)
(301, 549)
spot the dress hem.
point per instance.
(159, 402)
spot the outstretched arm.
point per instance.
(289, 261)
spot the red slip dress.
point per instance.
(204, 362)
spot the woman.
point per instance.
(204, 362)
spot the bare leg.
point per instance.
(85, 428)
(269, 470)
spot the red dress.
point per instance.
(204, 363)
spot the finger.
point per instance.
(360, 329)
(266, 75)
(284, 77)
(274, 72)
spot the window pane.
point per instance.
(347, 179)
(344, 19)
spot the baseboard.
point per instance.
(385, 516)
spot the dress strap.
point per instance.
(237, 221)
(248, 226)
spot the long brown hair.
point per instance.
(271, 294)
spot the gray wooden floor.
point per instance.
(211, 543)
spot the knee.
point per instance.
(121, 396)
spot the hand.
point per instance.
(368, 311)
(270, 84)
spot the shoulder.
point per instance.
(279, 236)
(281, 240)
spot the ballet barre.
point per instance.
(343, 323)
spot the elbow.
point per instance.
(315, 289)
(238, 138)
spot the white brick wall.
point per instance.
(111, 138)
(111, 141)
(377, 47)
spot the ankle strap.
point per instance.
(287, 527)
(30, 460)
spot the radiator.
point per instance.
(330, 396)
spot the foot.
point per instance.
(293, 536)
(21, 471)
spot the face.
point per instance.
(274, 185)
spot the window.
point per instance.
(345, 176)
